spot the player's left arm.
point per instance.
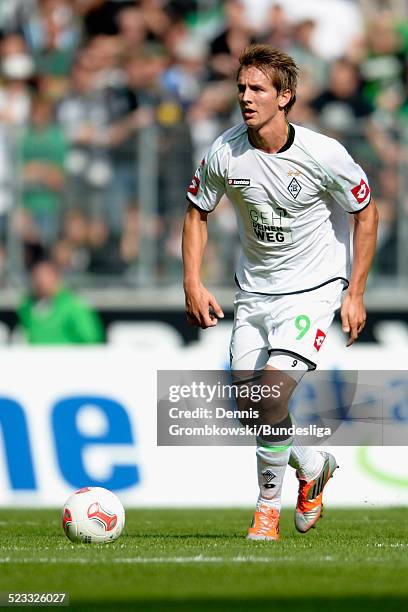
(353, 313)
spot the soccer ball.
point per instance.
(93, 515)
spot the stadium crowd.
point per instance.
(107, 106)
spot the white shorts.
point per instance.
(285, 331)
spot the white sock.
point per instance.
(306, 460)
(271, 462)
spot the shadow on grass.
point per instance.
(351, 604)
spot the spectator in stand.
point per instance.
(157, 17)
(43, 151)
(53, 314)
(101, 119)
(82, 115)
(226, 48)
(104, 256)
(301, 49)
(17, 69)
(124, 119)
(53, 36)
(276, 29)
(342, 107)
(132, 29)
(75, 234)
(100, 16)
(210, 115)
(384, 64)
(183, 79)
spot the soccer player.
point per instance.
(291, 189)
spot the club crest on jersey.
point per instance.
(239, 182)
(361, 191)
(294, 188)
(319, 339)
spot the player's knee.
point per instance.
(260, 400)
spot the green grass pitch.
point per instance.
(199, 560)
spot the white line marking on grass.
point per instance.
(164, 560)
(390, 545)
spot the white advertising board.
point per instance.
(87, 416)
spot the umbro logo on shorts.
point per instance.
(242, 182)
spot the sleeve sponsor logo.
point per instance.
(319, 339)
(361, 191)
(194, 186)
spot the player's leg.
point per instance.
(273, 442)
(249, 354)
(313, 468)
(272, 452)
(303, 329)
(305, 459)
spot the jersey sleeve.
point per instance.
(208, 184)
(346, 180)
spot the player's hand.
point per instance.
(202, 309)
(353, 317)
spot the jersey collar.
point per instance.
(286, 146)
(291, 138)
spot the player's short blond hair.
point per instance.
(276, 65)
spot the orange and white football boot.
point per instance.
(310, 495)
(265, 524)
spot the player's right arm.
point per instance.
(199, 301)
(203, 194)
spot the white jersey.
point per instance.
(291, 207)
